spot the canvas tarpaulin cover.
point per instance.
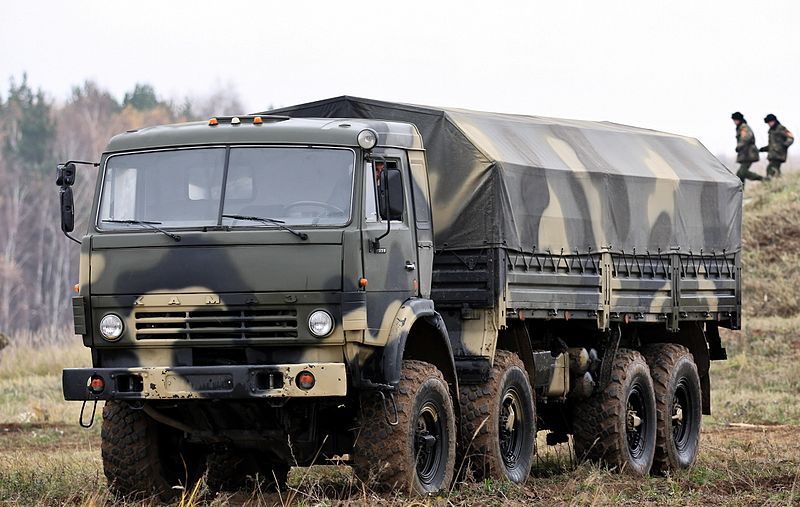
(531, 183)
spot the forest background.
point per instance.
(38, 264)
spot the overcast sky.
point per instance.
(682, 65)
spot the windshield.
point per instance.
(191, 188)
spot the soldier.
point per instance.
(746, 151)
(779, 141)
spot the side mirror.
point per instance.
(391, 194)
(65, 175)
(67, 209)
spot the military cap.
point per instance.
(770, 117)
(737, 116)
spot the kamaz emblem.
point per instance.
(212, 300)
(174, 301)
(139, 301)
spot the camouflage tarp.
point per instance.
(533, 183)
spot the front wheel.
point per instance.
(142, 457)
(617, 426)
(499, 429)
(417, 454)
(678, 405)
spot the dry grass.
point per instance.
(771, 242)
(30, 377)
(737, 466)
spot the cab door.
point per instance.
(390, 254)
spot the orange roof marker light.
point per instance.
(213, 122)
(257, 120)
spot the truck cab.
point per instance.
(255, 263)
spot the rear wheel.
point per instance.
(142, 458)
(418, 453)
(678, 406)
(499, 422)
(617, 426)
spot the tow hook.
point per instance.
(386, 409)
(81, 419)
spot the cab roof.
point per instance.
(272, 130)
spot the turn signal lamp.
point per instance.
(96, 384)
(362, 283)
(76, 288)
(305, 380)
(213, 122)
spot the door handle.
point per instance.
(410, 266)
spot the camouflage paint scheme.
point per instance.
(515, 228)
(148, 279)
(528, 183)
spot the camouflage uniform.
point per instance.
(746, 152)
(779, 141)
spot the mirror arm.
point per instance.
(376, 243)
(82, 162)
(73, 238)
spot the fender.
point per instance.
(437, 350)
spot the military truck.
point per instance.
(414, 290)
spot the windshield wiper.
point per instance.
(149, 225)
(278, 223)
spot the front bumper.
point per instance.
(209, 382)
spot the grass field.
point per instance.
(750, 450)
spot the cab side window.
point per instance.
(377, 208)
(389, 190)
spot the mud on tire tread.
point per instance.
(382, 452)
(598, 422)
(131, 460)
(477, 404)
(664, 359)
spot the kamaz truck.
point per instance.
(411, 290)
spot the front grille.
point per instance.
(217, 324)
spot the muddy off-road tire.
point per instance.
(617, 426)
(142, 458)
(499, 422)
(678, 406)
(418, 454)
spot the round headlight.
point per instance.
(320, 323)
(111, 327)
(367, 139)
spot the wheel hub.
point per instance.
(428, 436)
(511, 428)
(636, 422)
(682, 422)
(677, 413)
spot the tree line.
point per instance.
(38, 265)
